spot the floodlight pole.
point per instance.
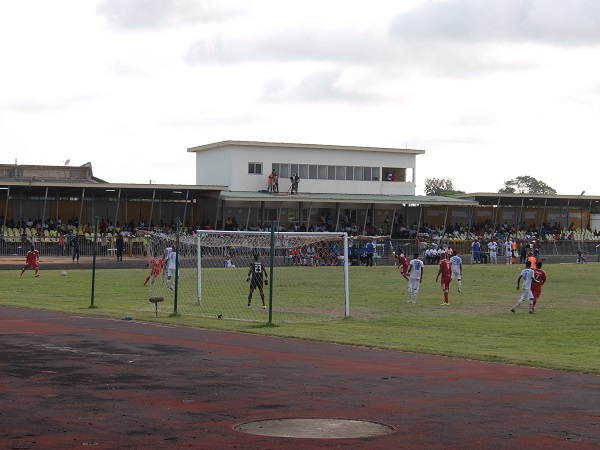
(271, 260)
(94, 259)
(178, 222)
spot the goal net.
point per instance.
(307, 275)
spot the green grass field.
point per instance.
(478, 324)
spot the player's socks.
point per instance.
(445, 297)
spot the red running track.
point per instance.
(72, 381)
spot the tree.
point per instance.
(439, 186)
(526, 185)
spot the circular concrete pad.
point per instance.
(315, 428)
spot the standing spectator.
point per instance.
(446, 272)
(476, 252)
(370, 249)
(75, 244)
(295, 179)
(61, 244)
(310, 254)
(32, 260)
(120, 247)
(103, 245)
(275, 181)
(523, 252)
(270, 180)
(527, 276)
(537, 246)
(456, 263)
(415, 270)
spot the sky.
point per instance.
(491, 90)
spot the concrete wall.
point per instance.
(229, 166)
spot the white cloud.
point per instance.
(141, 14)
(488, 88)
(560, 23)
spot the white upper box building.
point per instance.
(242, 166)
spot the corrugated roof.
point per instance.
(347, 198)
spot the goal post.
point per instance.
(308, 275)
(277, 250)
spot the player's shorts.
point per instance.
(455, 275)
(526, 294)
(34, 265)
(446, 284)
(156, 272)
(171, 272)
(256, 284)
(536, 293)
(413, 284)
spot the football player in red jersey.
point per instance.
(403, 265)
(31, 260)
(539, 278)
(446, 273)
(156, 266)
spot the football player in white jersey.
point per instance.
(527, 276)
(415, 270)
(456, 263)
(493, 249)
(508, 250)
(172, 268)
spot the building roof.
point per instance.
(107, 190)
(536, 200)
(280, 145)
(347, 198)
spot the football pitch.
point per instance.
(478, 324)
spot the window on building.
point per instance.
(255, 168)
(322, 172)
(394, 174)
(375, 173)
(303, 171)
(349, 173)
(358, 173)
(331, 172)
(367, 173)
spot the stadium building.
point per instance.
(342, 188)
